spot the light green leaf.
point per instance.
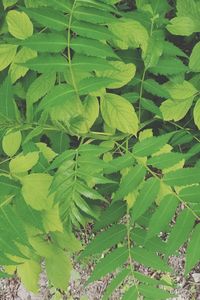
(7, 54)
(193, 253)
(11, 142)
(122, 72)
(16, 70)
(146, 197)
(130, 34)
(175, 110)
(19, 24)
(119, 114)
(180, 91)
(51, 219)
(105, 240)
(130, 182)
(23, 163)
(58, 268)
(196, 113)
(109, 263)
(183, 177)
(180, 231)
(35, 190)
(8, 3)
(29, 272)
(182, 26)
(194, 62)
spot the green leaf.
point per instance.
(23, 163)
(131, 294)
(162, 216)
(192, 253)
(149, 259)
(58, 267)
(19, 24)
(150, 291)
(40, 86)
(91, 31)
(109, 263)
(154, 88)
(169, 66)
(119, 278)
(38, 198)
(105, 240)
(166, 160)
(93, 15)
(190, 194)
(151, 145)
(119, 114)
(7, 54)
(11, 142)
(146, 197)
(196, 113)
(194, 62)
(180, 231)
(47, 63)
(130, 182)
(46, 42)
(149, 105)
(59, 93)
(83, 63)
(182, 177)
(7, 104)
(111, 215)
(61, 5)
(91, 47)
(48, 17)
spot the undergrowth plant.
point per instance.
(99, 119)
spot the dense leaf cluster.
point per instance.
(99, 119)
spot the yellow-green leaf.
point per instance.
(123, 73)
(119, 114)
(19, 24)
(11, 142)
(51, 219)
(7, 54)
(23, 163)
(35, 190)
(29, 272)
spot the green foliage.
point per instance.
(99, 115)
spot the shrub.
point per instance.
(99, 111)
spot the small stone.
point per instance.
(196, 277)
